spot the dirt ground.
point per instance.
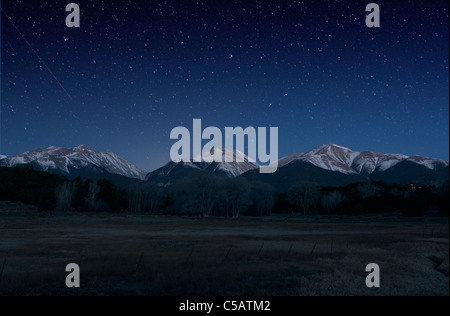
(279, 255)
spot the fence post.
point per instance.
(290, 249)
(3, 269)
(262, 246)
(190, 254)
(314, 248)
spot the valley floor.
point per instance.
(279, 255)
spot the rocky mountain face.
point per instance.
(75, 161)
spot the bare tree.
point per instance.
(135, 199)
(262, 196)
(202, 193)
(368, 189)
(144, 198)
(152, 197)
(206, 193)
(331, 201)
(197, 194)
(94, 190)
(303, 196)
(235, 196)
(64, 197)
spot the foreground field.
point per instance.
(294, 255)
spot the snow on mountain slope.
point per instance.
(367, 162)
(332, 157)
(430, 163)
(341, 159)
(287, 160)
(329, 157)
(232, 163)
(167, 169)
(214, 161)
(62, 159)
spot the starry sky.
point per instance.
(134, 70)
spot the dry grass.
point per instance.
(131, 255)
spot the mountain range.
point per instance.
(78, 161)
(337, 158)
(334, 165)
(174, 171)
(330, 165)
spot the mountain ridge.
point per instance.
(338, 158)
(218, 161)
(67, 160)
(331, 162)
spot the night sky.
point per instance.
(134, 70)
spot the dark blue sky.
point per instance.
(137, 69)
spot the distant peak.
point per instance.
(338, 146)
(325, 148)
(84, 147)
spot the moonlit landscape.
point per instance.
(91, 116)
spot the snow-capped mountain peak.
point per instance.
(332, 157)
(218, 161)
(67, 160)
(341, 159)
(328, 149)
(233, 163)
(84, 161)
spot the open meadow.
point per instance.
(287, 255)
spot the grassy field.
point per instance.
(279, 255)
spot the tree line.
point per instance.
(203, 194)
(365, 198)
(50, 192)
